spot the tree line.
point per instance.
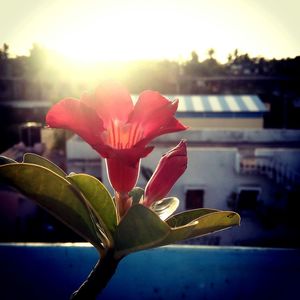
(165, 75)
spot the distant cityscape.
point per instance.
(243, 142)
(41, 77)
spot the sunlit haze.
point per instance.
(90, 30)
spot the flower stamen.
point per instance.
(123, 136)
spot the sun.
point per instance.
(125, 36)
(127, 31)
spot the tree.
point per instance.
(211, 53)
(4, 52)
(194, 57)
(236, 53)
(229, 58)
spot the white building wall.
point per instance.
(211, 169)
(212, 161)
(77, 149)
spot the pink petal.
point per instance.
(74, 115)
(130, 155)
(156, 115)
(172, 126)
(123, 167)
(148, 102)
(111, 102)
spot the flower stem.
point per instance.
(123, 203)
(98, 278)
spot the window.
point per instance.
(248, 198)
(30, 133)
(194, 198)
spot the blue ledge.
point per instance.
(42, 271)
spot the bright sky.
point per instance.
(135, 29)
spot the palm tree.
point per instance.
(211, 53)
(4, 52)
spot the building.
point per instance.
(254, 172)
(234, 164)
(221, 111)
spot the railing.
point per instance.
(268, 166)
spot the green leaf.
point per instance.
(137, 193)
(53, 193)
(208, 223)
(139, 229)
(35, 159)
(99, 199)
(6, 160)
(165, 207)
(183, 218)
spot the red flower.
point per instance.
(170, 167)
(116, 129)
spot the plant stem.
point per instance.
(98, 278)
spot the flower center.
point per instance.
(123, 136)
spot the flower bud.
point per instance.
(170, 167)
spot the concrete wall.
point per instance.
(258, 136)
(175, 272)
(213, 157)
(213, 169)
(77, 149)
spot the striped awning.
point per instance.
(219, 103)
(187, 103)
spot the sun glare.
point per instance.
(122, 33)
(95, 30)
(126, 36)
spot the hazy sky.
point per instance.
(129, 29)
